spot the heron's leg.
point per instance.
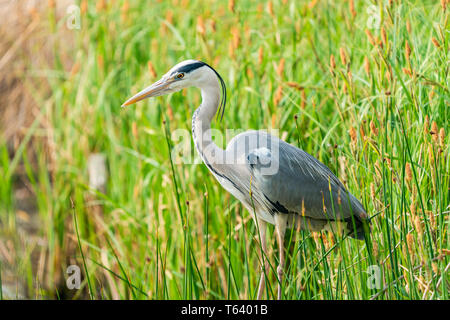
(280, 227)
(262, 226)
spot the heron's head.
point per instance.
(185, 74)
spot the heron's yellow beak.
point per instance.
(157, 89)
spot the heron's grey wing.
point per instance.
(301, 184)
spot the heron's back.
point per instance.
(284, 179)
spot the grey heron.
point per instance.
(275, 181)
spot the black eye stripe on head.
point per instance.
(189, 67)
(195, 65)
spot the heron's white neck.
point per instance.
(201, 123)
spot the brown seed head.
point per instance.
(372, 191)
(350, 76)
(231, 50)
(84, 6)
(412, 209)
(100, 62)
(260, 9)
(407, 71)
(169, 16)
(413, 194)
(216, 60)
(297, 26)
(377, 169)
(362, 132)
(332, 63)
(352, 8)
(375, 249)
(343, 163)
(124, 10)
(383, 36)
(442, 137)
(201, 26)
(379, 42)
(280, 68)
(312, 4)
(343, 55)
(295, 85)
(408, 173)
(352, 133)
(426, 124)
(260, 55)
(249, 73)
(367, 65)
(418, 226)
(247, 30)
(151, 69)
(212, 23)
(434, 131)
(236, 37)
(407, 50)
(134, 129)
(278, 95)
(408, 26)
(303, 96)
(370, 37)
(435, 268)
(432, 218)
(444, 5)
(389, 74)
(373, 128)
(435, 42)
(270, 8)
(231, 4)
(325, 240)
(170, 112)
(316, 236)
(101, 5)
(75, 69)
(431, 94)
(126, 6)
(410, 243)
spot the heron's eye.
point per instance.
(180, 76)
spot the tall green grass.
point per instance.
(377, 116)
